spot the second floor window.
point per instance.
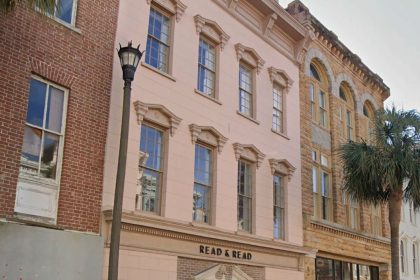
(151, 143)
(323, 119)
(64, 10)
(277, 123)
(202, 184)
(158, 40)
(322, 193)
(278, 207)
(244, 196)
(318, 95)
(44, 131)
(42, 150)
(206, 67)
(245, 90)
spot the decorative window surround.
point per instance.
(174, 6)
(250, 56)
(280, 77)
(249, 152)
(221, 269)
(212, 30)
(282, 166)
(158, 114)
(209, 135)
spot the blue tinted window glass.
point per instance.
(36, 103)
(65, 10)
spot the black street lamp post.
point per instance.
(129, 58)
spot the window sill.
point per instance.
(64, 23)
(243, 233)
(34, 221)
(207, 96)
(166, 75)
(201, 225)
(247, 117)
(280, 134)
(36, 180)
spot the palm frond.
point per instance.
(45, 7)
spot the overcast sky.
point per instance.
(385, 34)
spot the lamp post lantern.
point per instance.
(129, 58)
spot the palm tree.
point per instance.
(43, 6)
(376, 172)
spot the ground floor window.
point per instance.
(328, 269)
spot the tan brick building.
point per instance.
(55, 81)
(338, 94)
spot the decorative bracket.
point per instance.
(201, 22)
(248, 151)
(250, 56)
(282, 166)
(208, 135)
(269, 22)
(280, 76)
(158, 114)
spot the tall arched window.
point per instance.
(318, 94)
(346, 111)
(367, 126)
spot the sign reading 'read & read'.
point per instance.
(216, 251)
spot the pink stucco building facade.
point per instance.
(213, 186)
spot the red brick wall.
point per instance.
(81, 62)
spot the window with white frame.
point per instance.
(63, 10)
(245, 174)
(278, 207)
(151, 144)
(277, 122)
(246, 90)
(158, 39)
(42, 149)
(203, 172)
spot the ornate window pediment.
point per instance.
(208, 135)
(250, 56)
(174, 6)
(211, 29)
(249, 152)
(280, 77)
(158, 114)
(210, 274)
(282, 166)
